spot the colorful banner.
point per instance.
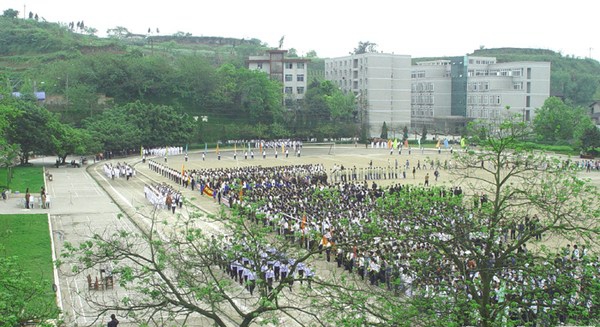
(208, 191)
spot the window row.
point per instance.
(290, 78)
(346, 63)
(478, 86)
(493, 100)
(421, 112)
(290, 90)
(422, 87)
(514, 72)
(290, 65)
(422, 99)
(417, 74)
(483, 113)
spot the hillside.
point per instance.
(28, 47)
(26, 44)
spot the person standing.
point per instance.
(113, 321)
(427, 179)
(27, 195)
(43, 197)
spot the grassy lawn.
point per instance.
(27, 238)
(23, 177)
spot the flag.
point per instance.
(282, 148)
(205, 147)
(217, 148)
(446, 143)
(141, 151)
(182, 170)
(235, 148)
(166, 151)
(395, 143)
(438, 143)
(419, 141)
(260, 147)
(389, 144)
(406, 143)
(463, 142)
(186, 147)
(208, 191)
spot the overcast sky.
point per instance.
(333, 28)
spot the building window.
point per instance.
(300, 65)
(517, 72)
(259, 65)
(288, 90)
(517, 85)
(300, 78)
(288, 77)
(300, 89)
(528, 101)
(289, 65)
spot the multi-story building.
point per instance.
(381, 84)
(446, 94)
(291, 72)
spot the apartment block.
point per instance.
(381, 83)
(291, 72)
(447, 94)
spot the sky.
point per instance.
(333, 28)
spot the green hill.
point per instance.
(46, 56)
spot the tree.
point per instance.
(466, 269)
(179, 271)
(30, 129)
(384, 131)
(118, 32)
(405, 133)
(10, 13)
(22, 298)
(311, 54)
(557, 123)
(590, 140)
(424, 134)
(364, 47)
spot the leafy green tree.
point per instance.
(68, 140)
(341, 106)
(178, 271)
(31, 130)
(22, 298)
(364, 47)
(555, 122)
(139, 124)
(424, 134)
(590, 140)
(10, 13)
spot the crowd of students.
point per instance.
(300, 202)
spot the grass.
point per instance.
(27, 237)
(23, 177)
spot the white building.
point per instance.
(291, 72)
(381, 83)
(446, 94)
